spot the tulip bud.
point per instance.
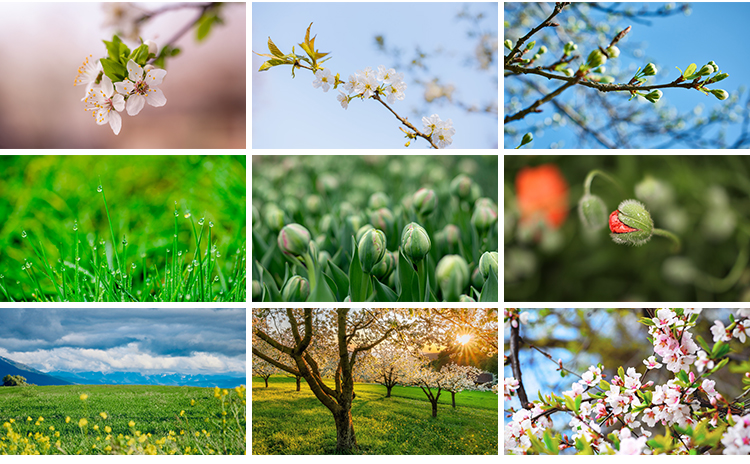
(354, 221)
(483, 218)
(382, 219)
(631, 223)
(425, 201)
(296, 289)
(325, 223)
(461, 186)
(362, 231)
(466, 299)
(720, 94)
(294, 240)
(415, 242)
(649, 70)
(592, 211)
(487, 261)
(508, 44)
(256, 290)
(371, 249)
(379, 200)
(613, 52)
(452, 274)
(653, 96)
(477, 279)
(448, 238)
(273, 217)
(387, 265)
(313, 204)
(596, 58)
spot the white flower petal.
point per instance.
(155, 76)
(115, 122)
(118, 102)
(155, 97)
(107, 86)
(135, 104)
(135, 72)
(124, 87)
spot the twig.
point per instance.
(516, 365)
(533, 108)
(547, 22)
(405, 122)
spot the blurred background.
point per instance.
(447, 52)
(43, 44)
(46, 195)
(550, 256)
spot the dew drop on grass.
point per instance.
(143, 255)
(101, 242)
(210, 224)
(124, 241)
(75, 226)
(179, 253)
(188, 297)
(200, 223)
(187, 214)
(218, 255)
(23, 234)
(176, 213)
(78, 258)
(132, 266)
(216, 278)
(195, 263)
(99, 189)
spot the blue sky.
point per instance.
(290, 113)
(713, 31)
(149, 341)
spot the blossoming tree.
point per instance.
(685, 414)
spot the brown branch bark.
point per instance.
(522, 114)
(405, 122)
(547, 22)
(516, 365)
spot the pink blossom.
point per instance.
(720, 332)
(651, 363)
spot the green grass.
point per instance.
(123, 228)
(158, 412)
(289, 422)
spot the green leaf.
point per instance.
(682, 375)
(322, 292)
(341, 280)
(114, 70)
(113, 48)
(689, 71)
(490, 289)
(356, 277)
(720, 364)
(204, 26)
(646, 321)
(265, 66)
(579, 398)
(383, 292)
(406, 275)
(703, 344)
(274, 49)
(273, 293)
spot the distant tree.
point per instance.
(14, 381)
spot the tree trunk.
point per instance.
(434, 408)
(453, 399)
(298, 380)
(388, 391)
(346, 443)
(266, 380)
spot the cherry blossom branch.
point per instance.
(204, 8)
(405, 122)
(546, 23)
(516, 364)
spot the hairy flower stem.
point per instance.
(590, 179)
(675, 239)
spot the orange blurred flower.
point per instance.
(542, 195)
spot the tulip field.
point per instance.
(376, 228)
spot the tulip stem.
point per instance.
(590, 179)
(675, 239)
(422, 279)
(310, 264)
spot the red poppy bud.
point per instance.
(617, 226)
(631, 223)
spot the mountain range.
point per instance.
(227, 380)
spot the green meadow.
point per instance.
(122, 228)
(289, 422)
(121, 419)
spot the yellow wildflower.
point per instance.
(84, 397)
(83, 422)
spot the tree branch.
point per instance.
(405, 122)
(547, 22)
(516, 365)
(522, 114)
(272, 361)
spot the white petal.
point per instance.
(135, 104)
(107, 86)
(118, 101)
(101, 116)
(124, 87)
(155, 97)
(135, 72)
(155, 76)
(115, 122)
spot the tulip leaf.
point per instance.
(272, 293)
(489, 289)
(384, 293)
(406, 275)
(356, 277)
(341, 280)
(322, 292)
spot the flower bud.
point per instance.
(354, 221)
(425, 201)
(273, 217)
(653, 96)
(477, 279)
(152, 48)
(596, 58)
(256, 290)
(371, 249)
(508, 44)
(719, 77)
(720, 94)
(483, 218)
(362, 231)
(487, 261)
(452, 274)
(461, 186)
(379, 200)
(296, 289)
(325, 223)
(592, 211)
(531, 45)
(294, 240)
(387, 265)
(449, 238)
(568, 72)
(466, 299)
(649, 70)
(415, 242)
(382, 219)
(313, 203)
(542, 50)
(705, 70)
(613, 52)
(569, 48)
(631, 223)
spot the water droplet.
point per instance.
(28, 265)
(188, 297)
(218, 255)
(143, 255)
(94, 248)
(187, 214)
(132, 266)
(210, 224)
(179, 296)
(117, 272)
(78, 258)
(75, 226)
(189, 268)
(176, 213)
(179, 253)
(216, 278)
(2, 276)
(168, 272)
(195, 262)
(101, 242)
(213, 248)
(200, 223)
(99, 189)
(23, 233)
(174, 235)
(124, 241)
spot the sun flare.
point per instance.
(463, 339)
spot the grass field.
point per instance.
(289, 422)
(122, 228)
(122, 419)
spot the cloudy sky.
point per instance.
(150, 341)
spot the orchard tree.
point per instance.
(352, 332)
(459, 378)
(389, 365)
(563, 60)
(264, 369)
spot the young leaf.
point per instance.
(689, 71)
(356, 278)
(274, 49)
(114, 70)
(489, 289)
(341, 279)
(384, 293)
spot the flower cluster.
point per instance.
(511, 317)
(525, 423)
(671, 339)
(440, 131)
(112, 90)
(737, 438)
(510, 385)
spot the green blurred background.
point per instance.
(46, 195)
(703, 199)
